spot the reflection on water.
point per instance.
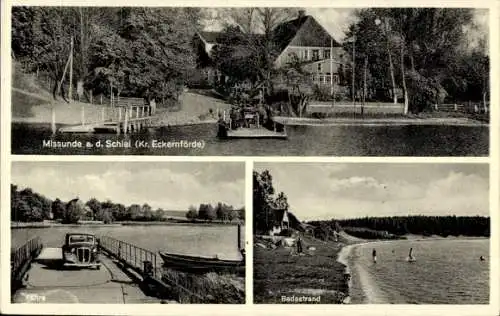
(303, 141)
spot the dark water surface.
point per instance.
(416, 140)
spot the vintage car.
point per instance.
(81, 250)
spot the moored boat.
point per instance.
(200, 264)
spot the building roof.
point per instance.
(302, 31)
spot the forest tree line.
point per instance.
(220, 212)
(135, 51)
(392, 227)
(30, 206)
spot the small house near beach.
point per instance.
(280, 221)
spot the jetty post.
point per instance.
(239, 236)
(83, 115)
(125, 124)
(53, 124)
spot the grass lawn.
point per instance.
(277, 273)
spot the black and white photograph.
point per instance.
(128, 233)
(371, 233)
(250, 81)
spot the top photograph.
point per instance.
(250, 81)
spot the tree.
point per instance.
(159, 215)
(94, 205)
(192, 213)
(262, 47)
(430, 44)
(105, 215)
(263, 191)
(74, 211)
(134, 212)
(58, 209)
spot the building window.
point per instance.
(336, 79)
(327, 54)
(319, 67)
(315, 54)
(306, 55)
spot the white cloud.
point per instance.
(380, 190)
(167, 187)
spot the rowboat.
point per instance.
(199, 264)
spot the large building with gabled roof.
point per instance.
(303, 39)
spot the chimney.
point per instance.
(302, 13)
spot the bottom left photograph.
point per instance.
(128, 232)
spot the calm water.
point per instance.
(183, 239)
(446, 272)
(302, 141)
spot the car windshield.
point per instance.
(81, 238)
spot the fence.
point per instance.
(469, 107)
(185, 287)
(132, 255)
(21, 257)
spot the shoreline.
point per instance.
(305, 121)
(124, 224)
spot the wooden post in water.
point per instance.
(239, 236)
(53, 125)
(125, 125)
(83, 115)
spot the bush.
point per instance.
(197, 80)
(423, 92)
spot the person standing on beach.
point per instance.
(374, 255)
(299, 245)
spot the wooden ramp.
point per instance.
(260, 133)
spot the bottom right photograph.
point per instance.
(371, 233)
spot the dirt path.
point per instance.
(28, 107)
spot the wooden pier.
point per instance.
(130, 275)
(118, 282)
(127, 115)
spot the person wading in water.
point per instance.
(374, 255)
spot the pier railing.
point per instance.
(184, 287)
(132, 255)
(20, 259)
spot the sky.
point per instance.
(326, 191)
(167, 185)
(337, 20)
